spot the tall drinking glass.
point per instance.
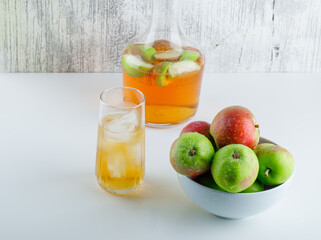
(120, 162)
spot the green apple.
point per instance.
(134, 66)
(207, 180)
(235, 167)
(147, 52)
(191, 154)
(276, 163)
(257, 186)
(160, 71)
(189, 55)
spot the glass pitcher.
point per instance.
(166, 66)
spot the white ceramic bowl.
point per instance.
(232, 205)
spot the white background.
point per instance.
(48, 133)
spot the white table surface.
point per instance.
(48, 135)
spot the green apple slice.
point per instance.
(147, 52)
(134, 66)
(170, 55)
(181, 67)
(189, 55)
(163, 68)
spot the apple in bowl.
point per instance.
(235, 125)
(226, 167)
(205, 192)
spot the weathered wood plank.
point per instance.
(296, 41)
(88, 36)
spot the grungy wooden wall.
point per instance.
(89, 35)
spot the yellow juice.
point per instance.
(169, 99)
(120, 158)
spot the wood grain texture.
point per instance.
(88, 36)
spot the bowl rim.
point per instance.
(240, 193)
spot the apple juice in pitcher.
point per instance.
(166, 66)
(170, 79)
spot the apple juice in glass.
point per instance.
(166, 67)
(120, 160)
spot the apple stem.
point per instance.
(267, 172)
(256, 126)
(192, 152)
(236, 155)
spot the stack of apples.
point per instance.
(226, 155)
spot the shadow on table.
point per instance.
(164, 197)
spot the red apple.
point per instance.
(201, 127)
(235, 125)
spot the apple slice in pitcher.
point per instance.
(163, 45)
(189, 55)
(161, 69)
(147, 52)
(181, 67)
(170, 55)
(134, 66)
